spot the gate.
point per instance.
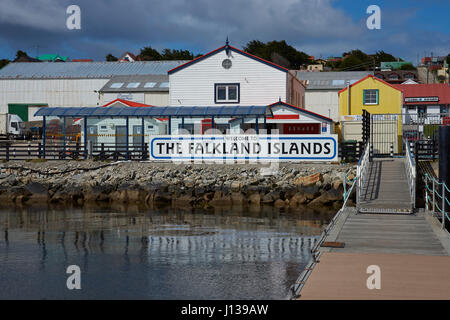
(390, 132)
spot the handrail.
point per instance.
(431, 200)
(363, 166)
(411, 172)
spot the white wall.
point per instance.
(325, 103)
(260, 84)
(54, 92)
(159, 99)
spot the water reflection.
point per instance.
(131, 252)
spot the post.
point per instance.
(256, 125)
(212, 123)
(443, 205)
(434, 194)
(426, 192)
(85, 137)
(243, 124)
(265, 123)
(392, 150)
(127, 137)
(43, 136)
(143, 136)
(170, 126)
(64, 137)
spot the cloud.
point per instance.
(314, 26)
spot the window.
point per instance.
(149, 84)
(409, 76)
(14, 125)
(150, 127)
(227, 93)
(133, 84)
(370, 96)
(164, 85)
(393, 76)
(422, 109)
(103, 128)
(116, 85)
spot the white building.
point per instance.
(24, 87)
(229, 76)
(322, 89)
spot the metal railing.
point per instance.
(433, 196)
(361, 173)
(315, 253)
(410, 166)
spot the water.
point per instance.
(131, 253)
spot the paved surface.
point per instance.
(412, 252)
(344, 276)
(388, 233)
(386, 187)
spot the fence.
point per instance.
(432, 201)
(75, 151)
(350, 150)
(390, 132)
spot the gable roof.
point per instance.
(285, 104)
(367, 77)
(231, 48)
(127, 103)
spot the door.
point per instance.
(121, 137)
(137, 136)
(92, 135)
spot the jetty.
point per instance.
(408, 246)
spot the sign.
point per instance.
(422, 99)
(258, 148)
(446, 121)
(351, 118)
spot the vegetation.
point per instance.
(278, 52)
(150, 54)
(110, 57)
(407, 66)
(4, 62)
(356, 60)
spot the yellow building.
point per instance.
(377, 97)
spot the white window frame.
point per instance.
(377, 97)
(227, 88)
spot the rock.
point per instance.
(236, 186)
(309, 180)
(267, 198)
(279, 203)
(298, 199)
(254, 198)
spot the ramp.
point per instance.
(386, 190)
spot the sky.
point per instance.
(322, 28)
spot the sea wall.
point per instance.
(178, 185)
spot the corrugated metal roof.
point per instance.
(82, 70)
(225, 111)
(330, 80)
(143, 83)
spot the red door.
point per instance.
(301, 128)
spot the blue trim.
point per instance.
(245, 158)
(271, 64)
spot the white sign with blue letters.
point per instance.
(259, 148)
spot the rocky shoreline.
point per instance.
(178, 185)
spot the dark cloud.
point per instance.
(314, 26)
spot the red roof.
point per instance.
(127, 103)
(440, 90)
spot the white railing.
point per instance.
(436, 200)
(361, 173)
(410, 166)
